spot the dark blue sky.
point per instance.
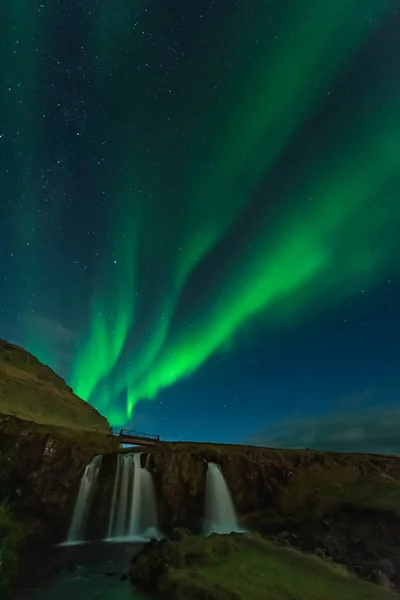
(337, 362)
(199, 213)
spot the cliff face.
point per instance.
(297, 484)
(345, 507)
(31, 391)
(47, 437)
(40, 470)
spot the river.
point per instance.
(85, 572)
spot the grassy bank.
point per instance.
(247, 568)
(315, 491)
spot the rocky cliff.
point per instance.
(40, 470)
(345, 507)
(31, 391)
(47, 437)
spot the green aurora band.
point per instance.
(273, 272)
(247, 136)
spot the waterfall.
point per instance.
(133, 515)
(220, 511)
(82, 505)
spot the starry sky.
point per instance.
(199, 213)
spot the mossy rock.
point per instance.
(246, 567)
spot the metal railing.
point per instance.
(136, 434)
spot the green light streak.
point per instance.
(251, 145)
(298, 257)
(111, 319)
(248, 127)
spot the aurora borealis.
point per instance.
(200, 206)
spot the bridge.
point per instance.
(136, 438)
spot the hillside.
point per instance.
(31, 391)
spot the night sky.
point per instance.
(200, 213)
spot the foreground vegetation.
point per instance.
(10, 535)
(245, 567)
(10, 529)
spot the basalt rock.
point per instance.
(344, 507)
(40, 471)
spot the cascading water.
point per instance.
(133, 515)
(82, 505)
(220, 511)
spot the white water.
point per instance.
(133, 515)
(220, 511)
(82, 505)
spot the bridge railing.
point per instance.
(137, 434)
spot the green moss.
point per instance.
(10, 536)
(250, 568)
(316, 490)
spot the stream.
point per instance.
(86, 572)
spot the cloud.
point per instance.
(358, 398)
(374, 429)
(50, 330)
(49, 341)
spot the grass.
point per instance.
(255, 569)
(12, 426)
(315, 491)
(10, 536)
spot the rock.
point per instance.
(383, 579)
(178, 533)
(32, 392)
(326, 502)
(284, 534)
(326, 522)
(45, 465)
(387, 566)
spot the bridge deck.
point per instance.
(127, 436)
